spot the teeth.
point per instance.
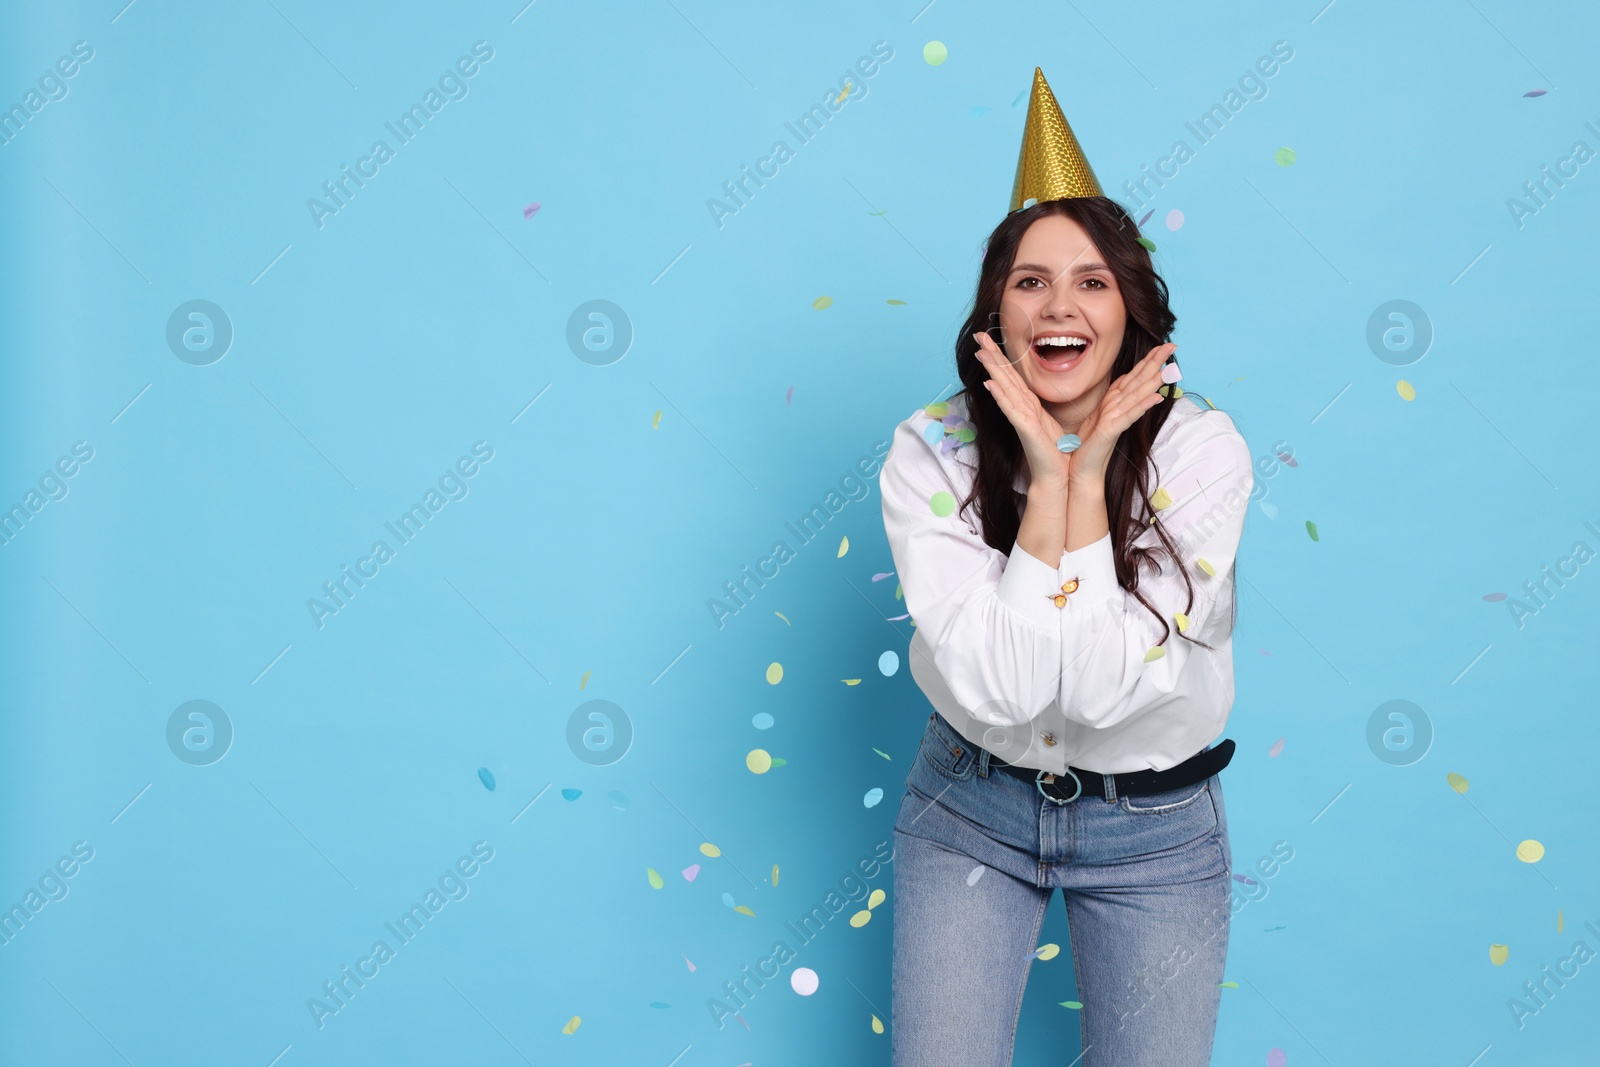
(1076, 342)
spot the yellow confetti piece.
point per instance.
(877, 1025)
(860, 918)
(1160, 498)
(896, 303)
(759, 761)
(708, 849)
(1209, 404)
(572, 1025)
(1155, 654)
(1530, 851)
(774, 673)
(878, 897)
(822, 302)
(846, 92)
(584, 681)
(655, 421)
(1405, 389)
(941, 503)
(655, 878)
(899, 593)
(937, 410)
(774, 874)
(934, 53)
(1458, 783)
(1206, 566)
(1559, 923)
(1047, 952)
(742, 910)
(1498, 954)
(1183, 621)
(784, 617)
(1177, 391)
(844, 546)
(851, 681)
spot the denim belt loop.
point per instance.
(983, 763)
(1111, 787)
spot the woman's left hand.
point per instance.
(1129, 397)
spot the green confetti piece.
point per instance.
(1150, 246)
(1284, 157)
(896, 303)
(1228, 985)
(779, 761)
(1311, 528)
(822, 302)
(942, 503)
(1075, 1005)
(882, 753)
(934, 53)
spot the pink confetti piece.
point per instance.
(691, 872)
(1494, 598)
(1170, 373)
(531, 210)
(787, 397)
(881, 575)
(1276, 1057)
(1277, 747)
(745, 1025)
(690, 962)
(1264, 652)
(1535, 92)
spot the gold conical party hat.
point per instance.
(1051, 166)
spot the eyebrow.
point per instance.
(1081, 268)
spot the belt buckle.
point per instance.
(1044, 778)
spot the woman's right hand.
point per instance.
(1036, 428)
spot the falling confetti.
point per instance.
(1146, 218)
(1494, 598)
(774, 673)
(659, 1004)
(1530, 851)
(1170, 373)
(1246, 880)
(1284, 157)
(1149, 245)
(881, 575)
(1228, 985)
(1269, 510)
(896, 303)
(843, 93)
(897, 618)
(1288, 459)
(1535, 92)
(1068, 442)
(1276, 749)
(1311, 528)
(774, 874)
(690, 962)
(1075, 1005)
(619, 799)
(571, 794)
(937, 410)
(882, 753)
(803, 980)
(708, 849)
(1160, 498)
(1174, 219)
(1498, 954)
(877, 1025)
(1276, 1057)
(975, 874)
(1155, 654)
(487, 778)
(851, 681)
(727, 900)
(861, 918)
(583, 683)
(877, 897)
(822, 302)
(888, 663)
(655, 421)
(572, 1025)
(844, 546)
(759, 761)
(762, 721)
(1045, 952)
(1458, 783)
(941, 503)
(531, 210)
(788, 396)
(975, 112)
(1558, 920)
(742, 910)
(872, 798)
(1183, 622)
(779, 761)
(1405, 389)
(934, 53)
(691, 872)
(656, 881)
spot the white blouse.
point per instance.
(1082, 684)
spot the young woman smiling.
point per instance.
(1073, 619)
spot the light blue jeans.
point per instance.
(978, 857)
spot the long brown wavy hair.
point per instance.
(1150, 322)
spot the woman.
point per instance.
(1073, 617)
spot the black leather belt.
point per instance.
(1062, 788)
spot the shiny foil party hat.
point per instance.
(1050, 166)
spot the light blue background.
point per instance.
(429, 313)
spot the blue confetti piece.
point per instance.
(888, 663)
(974, 112)
(619, 799)
(727, 900)
(1068, 442)
(872, 798)
(933, 432)
(659, 1004)
(487, 778)
(572, 794)
(762, 721)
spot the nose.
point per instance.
(1062, 302)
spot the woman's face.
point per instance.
(1060, 286)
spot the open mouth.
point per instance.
(1060, 353)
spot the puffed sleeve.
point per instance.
(1111, 668)
(995, 633)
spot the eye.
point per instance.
(1097, 281)
(1029, 278)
